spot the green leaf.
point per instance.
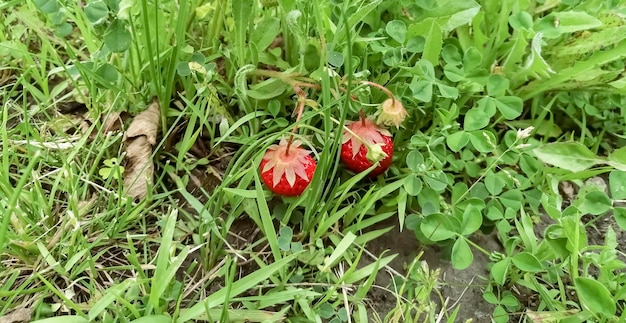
(393, 57)
(96, 12)
(497, 85)
(521, 20)
(267, 89)
(108, 297)
(335, 58)
(619, 213)
(595, 296)
(447, 92)
(510, 106)
(326, 311)
(413, 184)
(105, 172)
(516, 54)
(617, 184)
(360, 14)
(183, 69)
(439, 227)
(558, 23)
(571, 156)
(494, 183)
(415, 44)
(342, 314)
(397, 30)
(462, 256)
(595, 202)
(273, 107)
(242, 13)
(415, 161)
(47, 6)
(123, 12)
(453, 73)
(166, 264)
(339, 251)
(456, 141)
(526, 261)
(472, 220)
(490, 297)
(451, 55)
(472, 59)
(483, 141)
(437, 180)
(512, 199)
(64, 29)
(500, 315)
(284, 244)
(285, 236)
(108, 72)
(422, 90)
(509, 301)
(499, 271)
(265, 32)
(461, 18)
(434, 41)
(617, 159)
(117, 38)
(494, 214)
(312, 256)
(479, 117)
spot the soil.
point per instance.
(458, 287)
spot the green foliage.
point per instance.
(516, 111)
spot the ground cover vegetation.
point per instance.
(237, 161)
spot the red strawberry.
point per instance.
(373, 144)
(287, 169)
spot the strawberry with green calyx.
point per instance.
(286, 168)
(364, 144)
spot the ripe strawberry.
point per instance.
(287, 169)
(375, 144)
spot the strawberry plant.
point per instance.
(295, 160)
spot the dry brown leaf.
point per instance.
(145, 124)
(112, 122)
(549, 317)
(19, 315)
(567, 191)
(140, 137)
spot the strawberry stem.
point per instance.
(363, 117)
(299, 107)
(382, 88)
(289, 144)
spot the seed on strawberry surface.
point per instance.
(365, 144)
(287, 169)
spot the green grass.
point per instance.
(510, 104)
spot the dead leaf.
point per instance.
(112, 122)
(19, 315)
(567, 191)
(145, 124)
(548, 317)
(140, 137)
